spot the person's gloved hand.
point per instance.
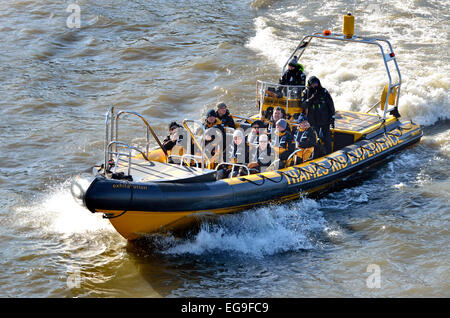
(174, 136)
(309, 100)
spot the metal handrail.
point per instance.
(294, 153)
(190, 157)
(262, 91)
(183, 158)
(201, 147)
(119, 154)
(298, 150)
(244, 118)
(108, 120)
(374, 106)
(306, 40)
(273, 164)
(149, 129)
(233, 165)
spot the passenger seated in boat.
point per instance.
(212, 120)
(212, 125)
(278, 114)
(257, 128)
(283, 143)
(293, 76)
(213, 147)
(305, 139)
(223, 114)
(264, 156)
(267, 114)
(173, 138)
(238, 153)
(173, 143)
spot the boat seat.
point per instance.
(154, 171)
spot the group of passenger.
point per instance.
(272, 139)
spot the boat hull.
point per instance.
(136, 209)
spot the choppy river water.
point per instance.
(171, 60)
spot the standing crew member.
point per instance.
(293, 76)
(320, 110)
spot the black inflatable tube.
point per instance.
(116, 195)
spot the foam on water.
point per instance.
(58, 213)
(355, 74)
(440, 141)
(259, 232)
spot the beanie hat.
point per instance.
(263, 137)
(210, 113)
(282, 123)
(238, 133)
(293, 62)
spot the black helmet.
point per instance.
(211, 112)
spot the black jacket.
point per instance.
(294, 77)
(285, 144)
(307, 138)
(320, 106)
(227, 120)
(168, 144)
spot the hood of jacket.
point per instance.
(315, 79)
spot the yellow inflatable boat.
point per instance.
(143, 191)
